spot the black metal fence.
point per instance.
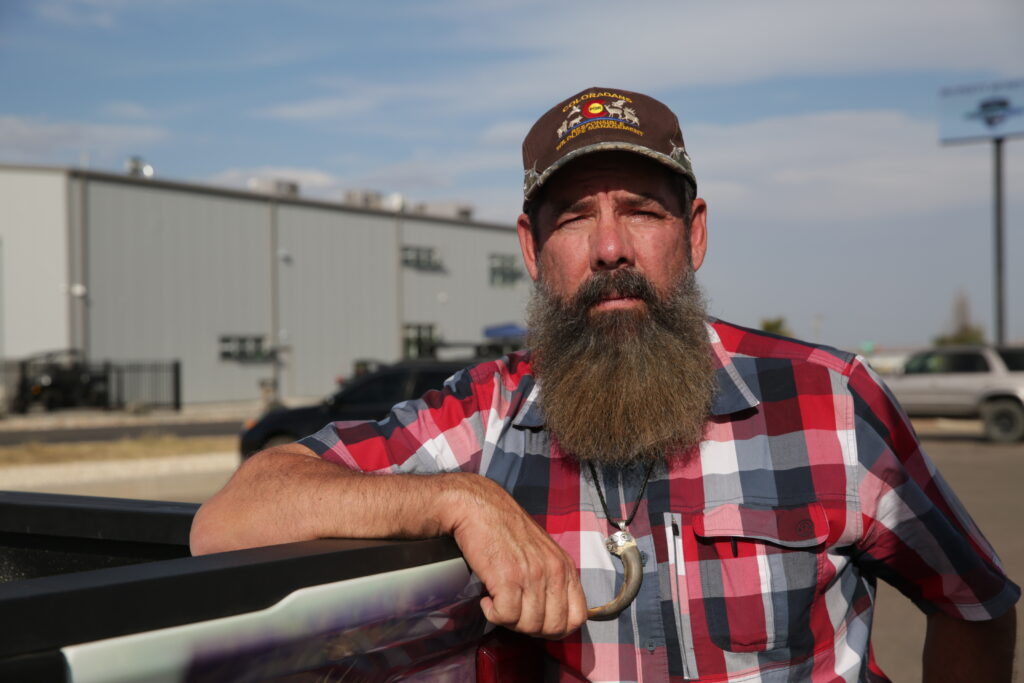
(65, 380)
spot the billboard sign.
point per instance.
(981, 111)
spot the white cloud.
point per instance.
(574, 45)
(444, 169)
(865, 165)
(97, 13)
(523, 58)
(94, 13)
(27, 140)
(505, 133)
(687, 43)
(317, 109)
(348, 97)
(127, 110)
(311, 181)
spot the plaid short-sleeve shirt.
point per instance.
(760, 548)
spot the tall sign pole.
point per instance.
(980, 113)
(1000, 282)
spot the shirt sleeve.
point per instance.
(917, 534)
(441, 432)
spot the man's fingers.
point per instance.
(556, 603)
(544, 599)
(571, 607)
(577, 605)
(487, 607)
(504, 606)
(534, 598)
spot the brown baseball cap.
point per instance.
(600, 120)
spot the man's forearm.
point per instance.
(287, 494)
(956, 650)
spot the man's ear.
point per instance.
(698, 232)
(527, 244)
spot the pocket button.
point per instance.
(805, 528)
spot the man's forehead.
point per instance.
(607, 172)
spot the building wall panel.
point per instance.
(169, 272)
(461, 299)
(33, 261)
(337, 274)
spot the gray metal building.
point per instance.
(128, 268)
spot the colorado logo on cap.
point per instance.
(584, 113)
(594, 109)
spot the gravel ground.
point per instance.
(30, 477)
(77, 419)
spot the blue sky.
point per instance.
(812, 125)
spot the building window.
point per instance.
(245, 348)
(422, 258)
(505, 270)
(419, 340)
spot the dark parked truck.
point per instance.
(104, 589)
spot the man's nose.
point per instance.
(611, 246)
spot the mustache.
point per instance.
(602, 285)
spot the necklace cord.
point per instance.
(636, 505)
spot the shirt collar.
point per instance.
(732, 393)
(530, 415)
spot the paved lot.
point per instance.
(987, 478)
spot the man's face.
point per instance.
(617, 321)
(611, 211)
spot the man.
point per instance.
(767, 482)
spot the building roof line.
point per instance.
(184, 186)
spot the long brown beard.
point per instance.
(623, 387)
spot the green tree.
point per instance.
(963, 330)
(968, 334)
(776, 326)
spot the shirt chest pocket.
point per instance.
(758, 571)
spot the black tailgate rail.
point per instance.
(89, 585)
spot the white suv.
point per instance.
(966, 381)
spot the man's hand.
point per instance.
(533, 586)
(956, 650)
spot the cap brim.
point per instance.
(664, 159)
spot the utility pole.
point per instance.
(980, 113)
(998, 241)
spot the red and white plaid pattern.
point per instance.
(760, 548)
